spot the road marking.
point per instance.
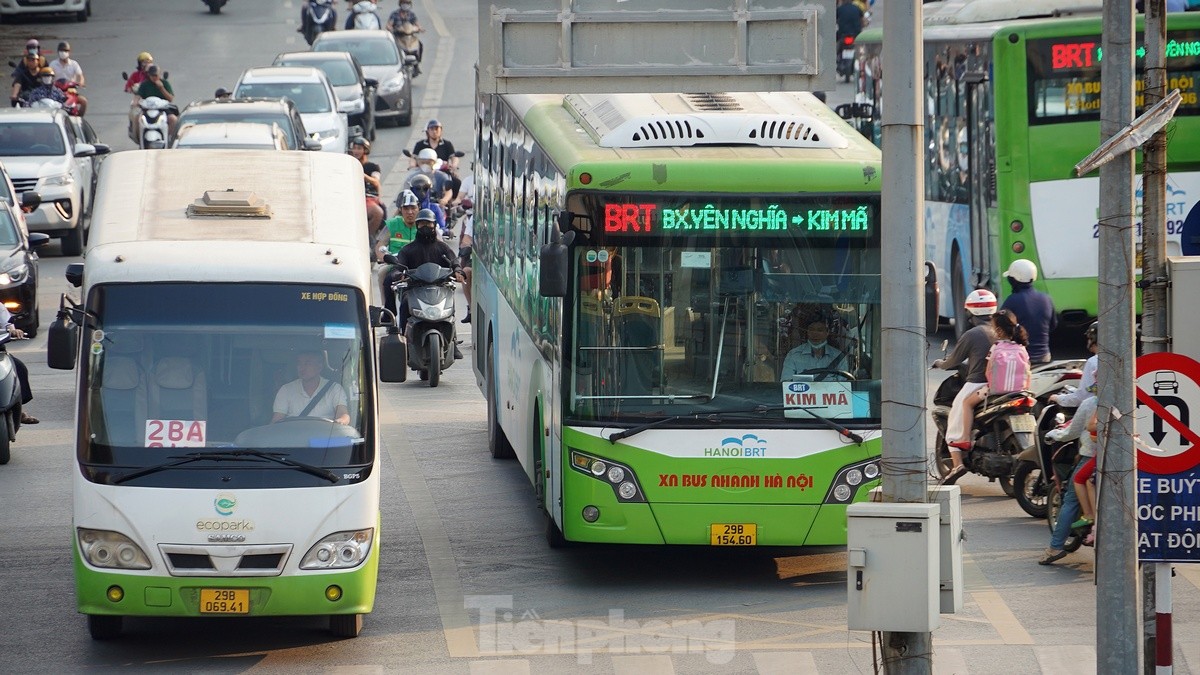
(1066, 659)
(439, 24)
(993, 606)
(948, 661)
(785, 663)
(659, 664)
(1191, 654)
(356, 670)
(447, 587)
(503, 667)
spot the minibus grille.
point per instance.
(256, 560)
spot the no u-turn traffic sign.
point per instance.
(1168, 390)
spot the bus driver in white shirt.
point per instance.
(295, 399)
(814, 354)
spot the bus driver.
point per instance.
(311, 395)
(814, 354)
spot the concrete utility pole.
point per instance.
(1118, 600)
(1154, 290)
(904, 453)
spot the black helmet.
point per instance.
(426, 214)
(359, 140)
(421, 182)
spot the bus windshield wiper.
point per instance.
(228, 455)
(717, 415)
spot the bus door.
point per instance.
(981, 166)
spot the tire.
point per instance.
(498, 443)
(82, 15)
(5, 446)
(1032, 493)
(214, 8)
(1053, 506)
(104, 627)
(345, 625)
(72, 243)
(554, 535)
(434, 343)
(941, 455)
(404, 120)
(1006, 484)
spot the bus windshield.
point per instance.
(780, 324)
(189, 385)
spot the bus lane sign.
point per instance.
(1168, 485)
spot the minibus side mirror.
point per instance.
(74, 274)
(62, 341)
(393, 357)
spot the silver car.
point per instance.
(381, 61)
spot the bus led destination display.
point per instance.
(811, 218)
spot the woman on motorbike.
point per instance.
(971, 349)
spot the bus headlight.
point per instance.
(850, 479)
(112, 550)
(618, 476)
(340, 550)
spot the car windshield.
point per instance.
(31, 139)
(338, 71)
(309, 97)
(8, 230)
(786, 322)
(225, 112)
(368, 52)
(173, 368)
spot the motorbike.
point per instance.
(10, 399)
(410, 47)
(1004, 428)
(845, 61)
(71, 91)
(319, 17)
(1056, 459)
(1030, 484)
(363, 16)
(429, 333)
(214, 6)
(154, 124)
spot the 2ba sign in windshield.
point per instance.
(740, 216)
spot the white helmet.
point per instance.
(427, 154)
(1022, 270)
(981, 302)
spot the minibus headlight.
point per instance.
(112, 550)
(340, 550)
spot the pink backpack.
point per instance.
(1007, 368)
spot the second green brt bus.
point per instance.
(1012, 104)
(661, 395)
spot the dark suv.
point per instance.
(280, 111)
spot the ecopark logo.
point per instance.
(224, 504)
(746, 446)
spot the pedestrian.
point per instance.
(1034, 309)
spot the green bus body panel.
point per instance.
(682, 514)
(295, 595)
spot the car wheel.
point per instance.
(82, 15)
(404, 120)
(72, 242)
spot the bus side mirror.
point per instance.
(553, 262)
(393, 358)
(74, 274)
(62, 342)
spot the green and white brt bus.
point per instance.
(645, 395)
(1012, 104)
(208, 273)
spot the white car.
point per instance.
(232, 136)
(42, 151)
(309, 89)
(79, 9)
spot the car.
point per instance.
(381, 61)
(354, 90)
(233, 136)
(282, 112)
(80, 10)
(42, 151)
(310, 90)
(19, 267)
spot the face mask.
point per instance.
(425, 234)
(47, 80)
(817, 345)
(64, 55)
(426, 168)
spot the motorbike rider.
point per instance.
(971, 349)
(223, 94)
(46, 88)
(427, 164)
(422, 186)
(849, 20)
(427, 247)
(466, 244)
(399, 230)
(18, 365)
(144, 61)
(363, 14)
(155, 85)
(25, 75)
(1034, 309)
(306, 17)
(403, 15)
(360, 149)
(67, 68)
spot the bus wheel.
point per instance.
(958, 285)
(104, 627)
(345, 625)
(497, 442)
(554, 534)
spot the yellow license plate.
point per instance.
(224, 601)
(734, 534)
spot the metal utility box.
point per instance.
(892, 579)
(1184, 273)
(949, 500)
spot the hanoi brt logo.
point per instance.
(748, 445)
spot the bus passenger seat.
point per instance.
(122, 396)
(178, 390)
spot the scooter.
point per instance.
(363, 16)
(410, 47)
(1056, 460)
(1030, 484)
(319, 16)
(429, 334)
(154, 123)
(845, 62)
(71, 91)
(214, 6)
(10, 399)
